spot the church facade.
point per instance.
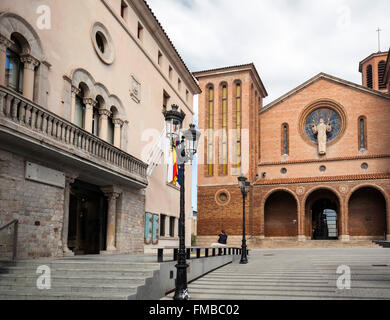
(317, 158)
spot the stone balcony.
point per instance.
(38, 134)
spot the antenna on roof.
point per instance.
(379, 39)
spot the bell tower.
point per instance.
(373, 70)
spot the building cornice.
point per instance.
(362, 157)
(323, 76)
(362, 177)
(165, 42)
(234, 69)
(374, 55)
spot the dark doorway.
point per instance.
(87, 219)
(324, 220)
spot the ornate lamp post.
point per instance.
(185, 153)
(244, 185)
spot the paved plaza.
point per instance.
(299, 274)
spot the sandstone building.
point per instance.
(82, 89)
(317, 158)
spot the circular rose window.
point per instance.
(326, 116)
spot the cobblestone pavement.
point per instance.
(299, 274)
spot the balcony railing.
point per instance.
(31, 119)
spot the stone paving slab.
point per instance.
(296, 274)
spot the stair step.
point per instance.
(16, 295)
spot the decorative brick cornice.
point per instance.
(363, 157)
(374, 176)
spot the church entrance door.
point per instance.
(324, 220)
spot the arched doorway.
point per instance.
(281, 215)
(367, 213)
(322, 220)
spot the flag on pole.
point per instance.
(173, 167)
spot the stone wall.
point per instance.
(38, 207)
(130, 222)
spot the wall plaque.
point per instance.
(41, 174)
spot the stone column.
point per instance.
(89, 104)
(75, 91)
(65, 222)
(387, 220)
(103, 124)
(28, 75)
(117, 132)
(344, 233)
(301, 221)
(4, 44)
(112, 195)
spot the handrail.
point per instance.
(222, 250)
(15, 240)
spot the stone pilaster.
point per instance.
(4, 44)
(89, 105)
(30, 63)
(103, 123)
(117, 132)
(65, 222)
(112, 195)
(75, 91)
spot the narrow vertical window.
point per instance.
(362, 133)
(369, 76)
(381, 75)
(162, 225)
(79, 112)
(95, 121)
(224, 132)
(14, 67)
(140, 31)
(210, 127)
(171, 227)
(285, 139)
(238, 126)
(170, 72)
(124, 9)
(159, 58)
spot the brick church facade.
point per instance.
(318, 158)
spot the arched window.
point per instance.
(238, 125)
(110, 129)
(285, 139)
(369, 76)
(381, 75)
(362, 125)
(79, 115)
(14, 67)
(95, 121)
(210, 133)
(224, 131)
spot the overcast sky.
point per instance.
(289, 41)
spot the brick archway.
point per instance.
(368, 212)
(335, 202)
(280, 214)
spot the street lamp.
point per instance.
(185, 153)
(244, 185)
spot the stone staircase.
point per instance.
(255, 243)
(76, 279)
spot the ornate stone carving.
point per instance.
(29, 62)
(89, 102)
(117, 122)
(343, 189)
(300, 191)
(4, 43)
(105, 113)
(135, 91)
